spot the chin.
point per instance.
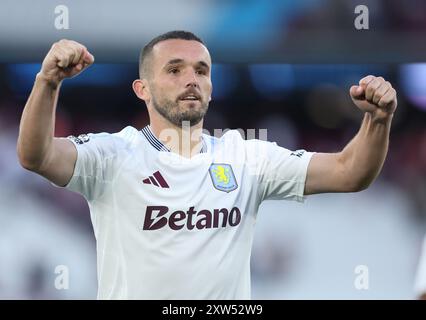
(191, 104)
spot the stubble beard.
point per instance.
(171, 110)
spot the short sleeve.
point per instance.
(97, 158)
(281, 172)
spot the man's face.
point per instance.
(180, 80)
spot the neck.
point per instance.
(184, 140)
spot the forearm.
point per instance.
(364, 156)
(37, 124)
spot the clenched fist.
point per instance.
(65, 59)
(376, 96)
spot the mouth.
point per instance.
(190, 97)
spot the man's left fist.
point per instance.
(376, 96)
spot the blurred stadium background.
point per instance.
(281, 65)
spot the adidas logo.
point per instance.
(157, 180)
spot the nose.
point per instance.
(191, 80)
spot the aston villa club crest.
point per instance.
(223, 177)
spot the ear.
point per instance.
(141, 89)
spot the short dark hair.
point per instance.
(146, 51)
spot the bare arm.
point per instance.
(360, 162)
(38, 150)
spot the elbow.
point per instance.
(354, 179)
(27, 164)
(26, 161)
(361, 185)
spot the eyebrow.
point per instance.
(174, 61)
(178, 61)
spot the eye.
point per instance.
(202, 72)
(174, 70)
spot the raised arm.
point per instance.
(38, 150)
(359, 163)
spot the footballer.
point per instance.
(174, 209)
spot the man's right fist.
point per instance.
(65, 59)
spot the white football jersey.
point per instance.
(169, 227)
